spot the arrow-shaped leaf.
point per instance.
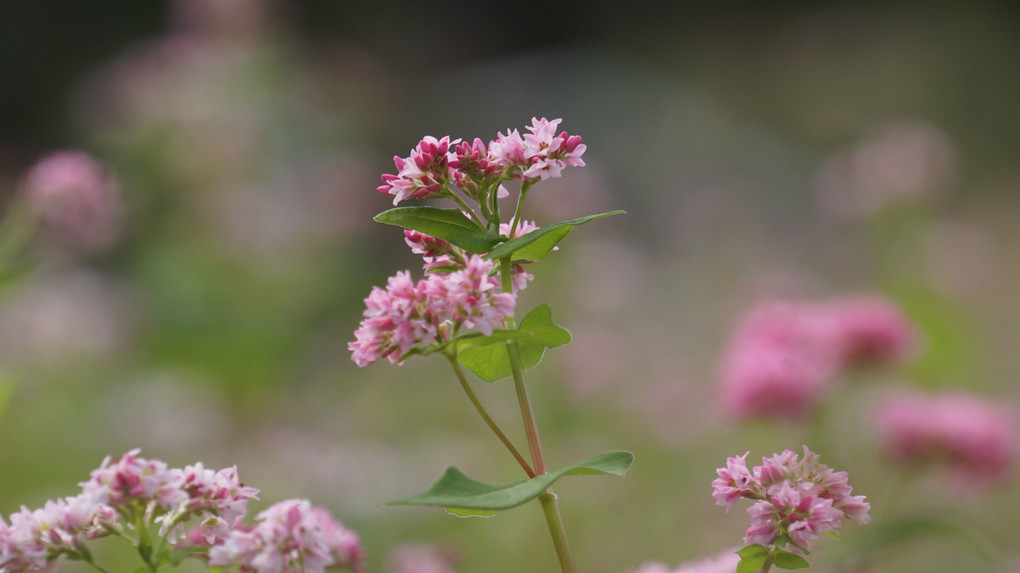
(535, 245)
(491, 363)
(464, 496)
(449, 224)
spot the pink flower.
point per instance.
(421, 558)
(76, 197)
(290, 537)
(976, 438)
(784, 354)
(870, 330)
(798, 498)
(419, 316)
(132, 478)
(778, 363)
(422, 174)
(540, 154)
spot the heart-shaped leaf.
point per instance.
(787, 560)
(464, 496)
(752, 558)
(535, 245)
(490, 362)
(449, 224)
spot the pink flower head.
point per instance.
(76, 197)
(290, 537)
(868, 330)
(132, 478)
(217, 498)
(473, 166)
(539, 154)
(422, 174)
(799, 498)
(975, 437)
(438, 254)
(778, 362)
(509, 150)
(417, 316)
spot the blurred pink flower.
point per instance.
(869, 330)
(421, 558)
(784, 354)
(977, 438)
(778, 362)
(723, 562)
(76, 198)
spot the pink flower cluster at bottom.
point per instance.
(977, 438)
(797, 498)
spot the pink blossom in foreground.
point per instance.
(540, 154)
(422, 174)
(131, 479)
(976, 438)
(410, 315)
(799, 498)
(724, 562)
(76, 197)
(290, 537)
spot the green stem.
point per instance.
(559, 534)
(517, 212)
(768, 565)
(463, 205)
(97, 566)
(488, 419)
(548, 499)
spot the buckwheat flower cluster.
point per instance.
(35, 539)
(784, 355)
(434, 164)
(410, 315)
(795, 500)
(290, 537)
(976, 438)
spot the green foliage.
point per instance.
(787, 560)
(448, 224)
(463, 496)
(490, 362)
(535, 245)
(752, 558)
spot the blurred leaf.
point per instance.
(535, 245)
(787, 560)
(463, 496)
(752, 558)
(880, 535)
(448, 224)
(491, 363)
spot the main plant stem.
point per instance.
(548, 499)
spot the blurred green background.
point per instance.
(796, 150)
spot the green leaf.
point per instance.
(787, 560)
(535, 245)
(752, 558)
(449, 224)
(463, 496)
(177, 556)
(490, 362)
